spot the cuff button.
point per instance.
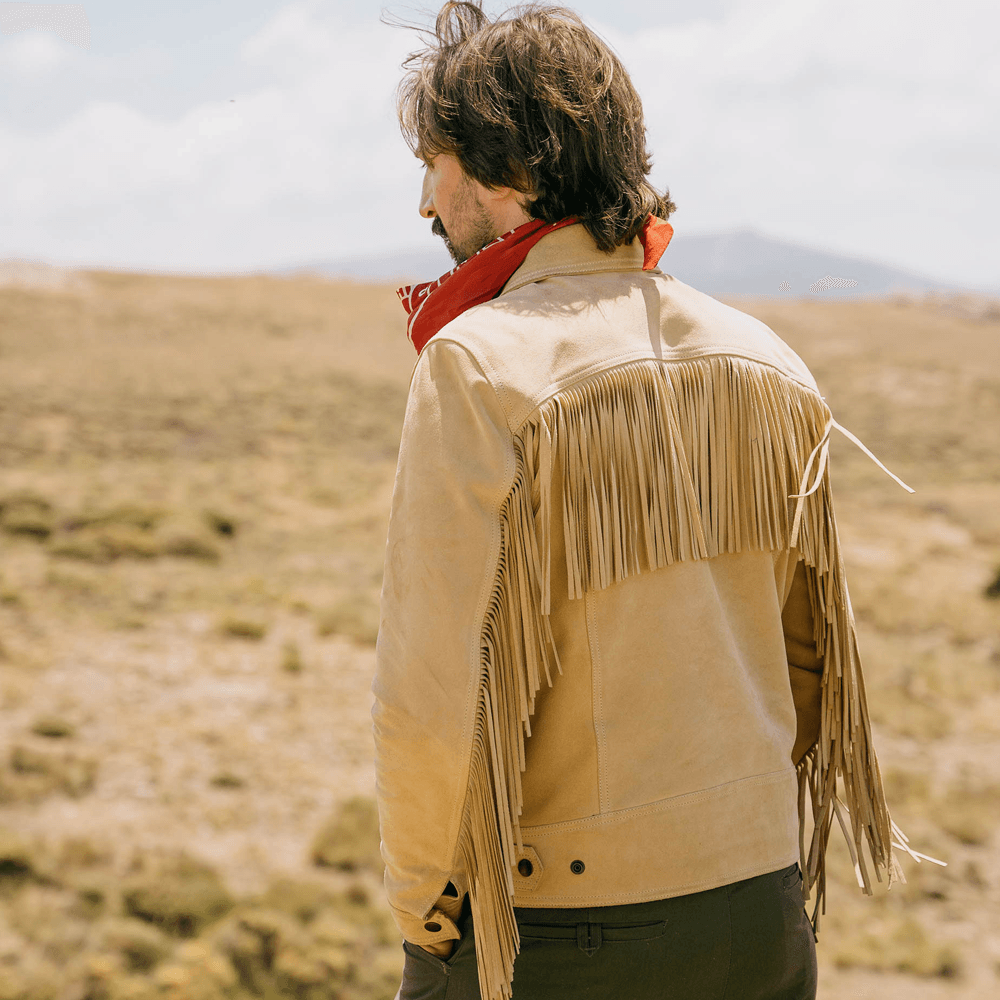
(433, 926)
(525, 867)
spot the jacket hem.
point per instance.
(660, 892)
(688, 843)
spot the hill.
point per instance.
(739, 262)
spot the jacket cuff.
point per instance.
(436, 927)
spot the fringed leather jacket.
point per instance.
(616, 641)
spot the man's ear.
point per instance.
(525, 188)
(507, 206)
(522, 194)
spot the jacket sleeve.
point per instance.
(456, 466)
(805, 667)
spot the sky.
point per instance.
(242, 134)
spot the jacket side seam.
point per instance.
(597, 704)
(514, 644)
(475, 639)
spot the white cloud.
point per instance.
(32, 55)
(310, 166)
(864, 126)
(867, 127)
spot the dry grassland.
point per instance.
(194, 493)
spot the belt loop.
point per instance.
(588, 938)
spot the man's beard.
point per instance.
(437, 228)
(481, 231)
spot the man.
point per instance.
(616, 647)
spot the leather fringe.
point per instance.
(662, 462)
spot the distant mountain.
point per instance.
(401, 266)
(746, 262)
(741, 262)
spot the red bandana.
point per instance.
(432, 304)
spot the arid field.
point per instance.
(194, 486)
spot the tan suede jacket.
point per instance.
(611, 625)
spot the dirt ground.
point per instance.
(194, 485)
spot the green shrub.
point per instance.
(53, 727)
(105, 544)
(291, 658)
(180, 898)
(303, 900)
(226, 779)
(17, 863)
(140, 944)
(349, 840)
(138, 516)
(26, 514)
(35, 773)
(221, 524)
(243, 628)
(131, 531)
(902, 946)
(191, 545)
(86, 548)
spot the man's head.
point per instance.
(527, 116)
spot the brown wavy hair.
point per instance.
(534, 101)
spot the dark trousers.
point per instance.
(750, 940)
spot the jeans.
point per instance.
(750, 940)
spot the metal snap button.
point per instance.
(433, 926)
(577, 867)
(525, 867)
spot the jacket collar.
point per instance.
(572, 251)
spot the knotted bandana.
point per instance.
(432, 304)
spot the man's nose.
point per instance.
(427, 209)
